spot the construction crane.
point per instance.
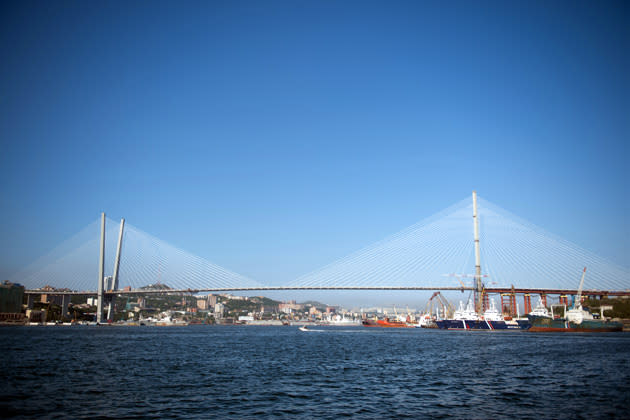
(578, 299)
(447, 307)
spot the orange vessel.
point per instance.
(385, 323)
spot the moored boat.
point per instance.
(385, 323)
(426, 321)
(467, 319)
(340, 321)
(565, 325)
(540, 311)
(493, 320)
(462, 318)
(392, 323)
(576, 319)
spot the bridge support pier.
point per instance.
(486, 303)
(508, 303)
(30, 300)
(513, 305)
(527, 303)
(65, 302)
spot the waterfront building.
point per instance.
(36, 316)
(11, 296)
(290, 306)
(218, 310)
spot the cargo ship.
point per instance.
(467, 319)
(493, 320)
(460, 316)
(567, 325)
(539, 311)
(576, 319)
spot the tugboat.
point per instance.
(426, 321)
(575, 319)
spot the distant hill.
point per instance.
(320, 306)
(156, 286)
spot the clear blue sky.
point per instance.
(273, 137)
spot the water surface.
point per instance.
(280, 372)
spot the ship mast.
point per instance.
(478, 283)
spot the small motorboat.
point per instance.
(303, 328)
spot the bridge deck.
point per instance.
(273, 288)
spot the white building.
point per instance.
(219, 308)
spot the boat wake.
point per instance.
(334, 331)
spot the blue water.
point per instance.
(280, 372)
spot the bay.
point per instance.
(280, 372)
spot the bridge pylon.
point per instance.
(478, 282)
(101, 273)
(107, 284)
(114, 281)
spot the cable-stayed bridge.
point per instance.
(437, 253)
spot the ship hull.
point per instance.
(506, 325)
(451, 324)
(524, 324)
(479, 325)
(385, 324)
(390, 324)
(562, 325)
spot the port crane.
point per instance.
(577, 303)
(447, 307)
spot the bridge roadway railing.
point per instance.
(591, 292)
(231, 289)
